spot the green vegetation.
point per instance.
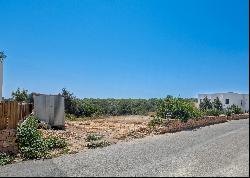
(178, 108)
(233, 110)
(31, 143)
(89, 107)
(211, 108)
(55, 142)
(206, 104)
(20, 95)
(2, 56)
(155, 121)
(5, 159)
(93, 137)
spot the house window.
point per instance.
(241, 103)
(227, 101)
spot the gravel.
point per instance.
(218, 150)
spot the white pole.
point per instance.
(1, 80)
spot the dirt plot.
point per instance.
(111, 129)
(116, 128)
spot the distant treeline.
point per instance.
(89, 107)
(111, 107)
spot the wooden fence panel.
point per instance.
(12, 112)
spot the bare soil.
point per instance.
(112, 129)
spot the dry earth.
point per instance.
(113, 129)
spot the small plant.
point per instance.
(93, 137)
(98, 144)
(5, 159)
(155, 121)
(55, 142)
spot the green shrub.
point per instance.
(30, 141)
(155, 121)
(213, 112)
(55, 142)
(234, 109)
(217, 104)
(206, 104)
(228, 112)
(178, 108)
(5, 159)
(93, 137)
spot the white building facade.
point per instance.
(228, 99)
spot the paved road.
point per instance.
(218, 150)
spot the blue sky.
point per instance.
(125, 48)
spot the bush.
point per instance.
(217, 104)
(55, 142)
(234, 110)
(155, 121)
(206, 104)
(30, 141)
(177, 108)
(93, 137)
(5, 159)
(212, 112)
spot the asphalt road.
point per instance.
(218, 150)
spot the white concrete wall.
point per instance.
(241, 100)
(1, 81)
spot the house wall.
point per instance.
(241, 100)
(1, 81)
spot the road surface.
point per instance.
(218, 150)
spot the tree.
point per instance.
(217, 104)
(20, 96)
(71, 104)
(206, 104)
(234, 109)
(2, 56)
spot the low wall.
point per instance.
(172, 126)
(8, 141)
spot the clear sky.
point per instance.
(125, 48)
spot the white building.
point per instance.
(228, 99)
(1, 80)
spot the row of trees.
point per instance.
(168, 107)
(90, 107)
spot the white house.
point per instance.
(228, 99)
(1, 80)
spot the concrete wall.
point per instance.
(50, 109)
(1, 81)
(241, 100)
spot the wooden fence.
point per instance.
(12, 112)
